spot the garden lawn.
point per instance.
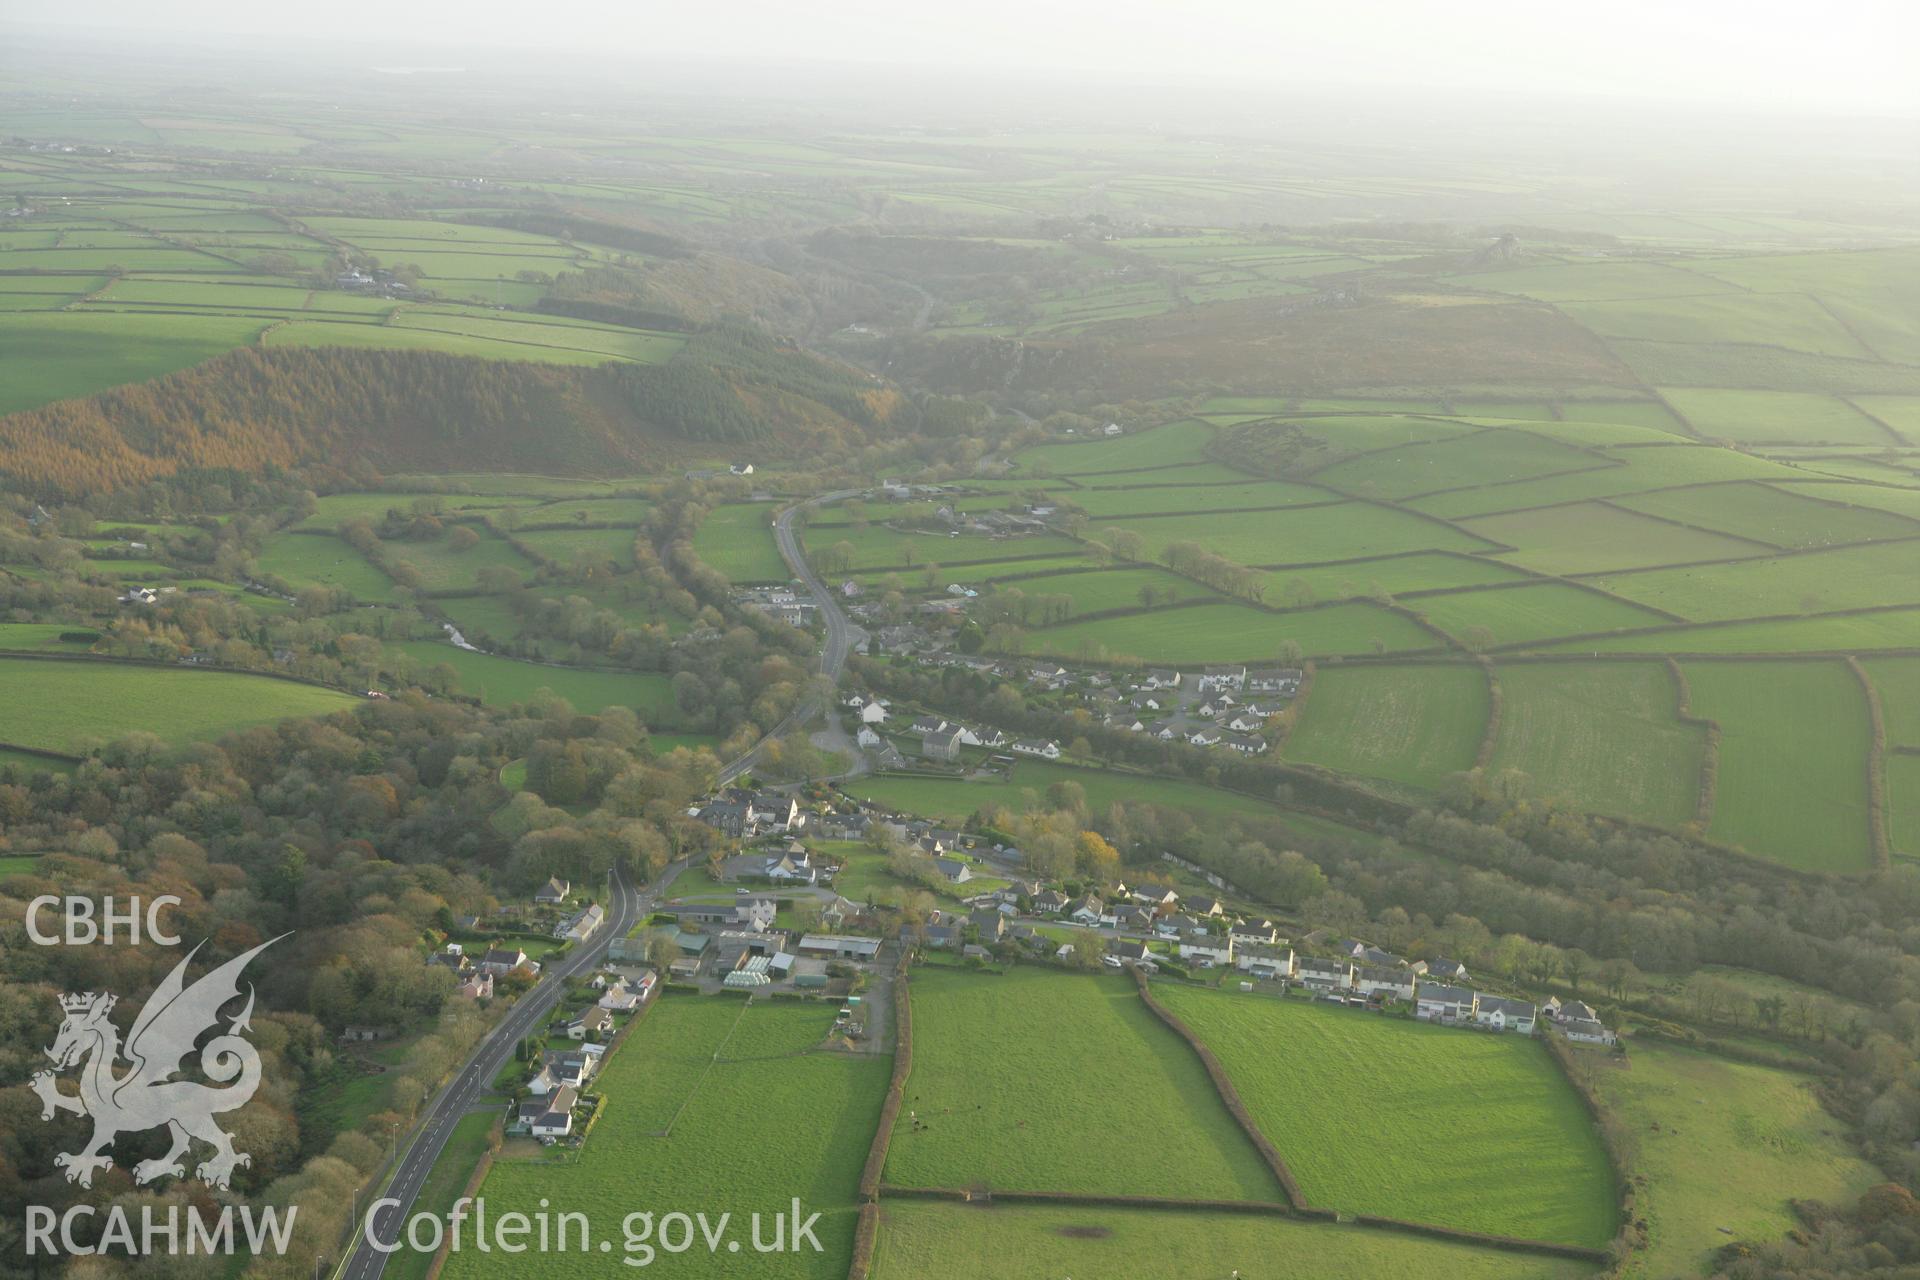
(716, 1105)
(63, 706)
(1793, 760)
(501, 682)
(1724, 1146)
(1603, 737)
(942, 1240)
(999, 1094)
(1387, 1116)
(1413, 725)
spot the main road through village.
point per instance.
(627, 905)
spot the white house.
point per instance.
(867, 737)
(1388, 983)
(1211, 954)
(1323, 975)
(1501, 1014)
(1260, 963)
(1035, 747)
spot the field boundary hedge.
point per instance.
(42, 752)
(496, 1133)
(1229, 1095)
(1709, 788)
(1683, 524)
(108, 659)
(1296, 707)
(1490, 736)
(1876, 768)
(1628, 1235)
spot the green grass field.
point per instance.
(1602, 737)
(1817, 582)
(936, 1240)
(1099, 590)
(1478, 1131)
(442, 567)
(54, 356)
(1304, 535)
(719, 1106)
(63, 706)
(1484, 458)
(1142, 498)
(444, 1185)
(1171, 445)
(306, 560)
(1723, 1145)
(979, 1112)
(1784, 517)
(1393, 575)
(501, 682)
(1413, 725)
(1837, 633)
(1793, 760)
(1758, 417)
(738, 542)
(1517, 615)
(955, 799)
(1591, 537)
(1234, 632)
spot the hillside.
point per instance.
(255, 409)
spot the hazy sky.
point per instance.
(1817, 55)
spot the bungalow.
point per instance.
(1146, 700)
(571, 1069)
(550, 1116)
(1245, 744)
(1049, 902)
(1385, 982)
(1324, 975)
(839, 947)
(589, 1022)
(1134, 919)
(1128, 950)
(1244, 721)
(1261, 962)
(1204, 738)
(1161, 678)
(618, 999)
(1502, 1014)
(1087, 911)
(925, 725)
(1437, 1002)
(974, 951)
(867, 737)
(944, 937)
(1206, 908)
(952, 870)
(1036, 747)
(791, 868)
(553, 892)
(1587, 1031)
(1165, 730)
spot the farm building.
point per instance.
(839, 946)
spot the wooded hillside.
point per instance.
(255, 409)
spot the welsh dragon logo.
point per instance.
(145, 1095)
